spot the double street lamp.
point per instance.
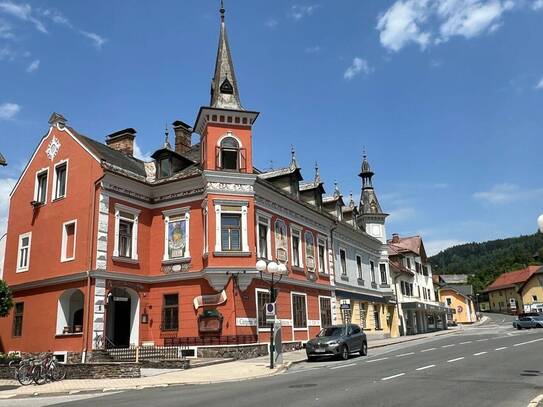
(272, 269)
(540, 223)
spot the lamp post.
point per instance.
(540, 223)
(272, 269)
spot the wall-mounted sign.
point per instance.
(246, 321)
(120, 299)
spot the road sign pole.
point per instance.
(272, 300)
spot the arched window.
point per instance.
(70, 312)
(229, 154)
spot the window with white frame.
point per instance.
(343, 261)
(296, 243)
(40, 188)
(69, 230)
(60, 179)
(23, 254)
(231, 226)
(264, 237)
(299, 311)
(325, 311)
(176, 234)
(126, 232)
(323, 268)
(383, 272)
(262, 298)
(449, 301)
(359, 267)
(310, 250)
(281, 241)
(372, 271)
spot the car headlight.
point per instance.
(336, 342)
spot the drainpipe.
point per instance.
(333, 275)
(395, 279)
(92, 218)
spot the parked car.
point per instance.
(337, 340)
(528, 322)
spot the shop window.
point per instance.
(326, 311)
(18, 310)
(299, 316)
(170, 312)
(377, 316)
(262, 298)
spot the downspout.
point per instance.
(398, 304)
(333, 275)
(89, 268)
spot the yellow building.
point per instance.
(532, 292)
(378, 319)
(458, 298)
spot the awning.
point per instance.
(421, 306)
(362, 297)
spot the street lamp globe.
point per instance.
(282, 269)
(261, 265)
(272, 267)
(540, 223)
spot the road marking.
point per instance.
(525, 343)
(454, 360)
(341, 366)
(482, 340)
(375, 360)
(428, 350)
(405, 354)
(480, 353)
(502, 348)
(463, 343)
(425, 367)
(447, 346)
(393, 377)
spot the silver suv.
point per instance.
(337, 340)
(528, 322)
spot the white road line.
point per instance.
(425, 367)
(525, 343)
(502, 348)
(428, 350)
(405, 354)
(482, 340)
(480, 353)
(447, 346)
(341, 366)
(463, 343)
(393, 377)
(454, 360)
(375, 360)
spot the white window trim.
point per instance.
(321, 241)
(54, 187)
(206, 226)
(361, 274)
(63, 248)
(267, 218)
(341, 271)
(36, 185)
(308, 232)
(373, 277)
(243, 212)
(292, 293)
(21, 237)
(167, 215)
(298, 230)
(261, 290)
(118, 208)
(386, 273)
(229, 134)
(320, 310)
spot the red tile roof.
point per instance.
(407, 244)
(512, 278)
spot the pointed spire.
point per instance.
(224, 88)
(317, 174)
(337, 192)
(167, 138)
(293, 162)
(351, 200)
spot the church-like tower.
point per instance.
(371, 217)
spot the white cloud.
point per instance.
(435, 21)
(298, 12)
(271, 23)
(401, 214)
(507, 193)
(139, 154)
(313, 50)
(435, 246)
(9, 110)
(34, 65)
(22, 12)
(537, 5)
(539, 84)
(358, 66)
(97, 40)
(6, 30)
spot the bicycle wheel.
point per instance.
(58, 372)
(25, 375)
(39, 374)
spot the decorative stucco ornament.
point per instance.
(53, 148)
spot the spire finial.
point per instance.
(167, 138)
(351, 200)
(364, 154)
(222, 10)
(317, 173)
(337, 192)
(293, 162)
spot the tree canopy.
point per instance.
(6, 299)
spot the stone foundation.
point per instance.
(236, 352)
(102, 370)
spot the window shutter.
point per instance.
(242, 160)
(217, 157)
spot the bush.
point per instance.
(6, 299)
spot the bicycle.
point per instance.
(48, 369)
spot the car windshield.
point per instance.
(331, 331)
(539, 318)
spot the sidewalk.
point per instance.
(226, 372)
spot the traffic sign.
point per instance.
(270, 312)
(345, 306)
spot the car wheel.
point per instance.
(344, 353)
(364, 349)
(519, 327)
(310, 358)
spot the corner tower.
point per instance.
(225, 126)
(371, 217)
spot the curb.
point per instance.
(536, 401)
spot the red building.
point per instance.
(105, 249)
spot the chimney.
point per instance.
(183, 136)
(122, 140)
(395, 238)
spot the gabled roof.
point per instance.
(513, 278)
(2, 160)
(280, 172)
(465, 290)
(309, 185)
(408, 244)
(397, 267)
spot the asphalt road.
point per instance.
(490, 365)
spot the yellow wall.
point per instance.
(468, 313)
(499, 300)
(533, 287)
(387, 315)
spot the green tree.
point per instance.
(6, 299)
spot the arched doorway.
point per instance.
(70, 312)
(122, 328)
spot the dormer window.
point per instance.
(226, 87)
(229, 154)
(165, 167)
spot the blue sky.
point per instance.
(446, 96)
